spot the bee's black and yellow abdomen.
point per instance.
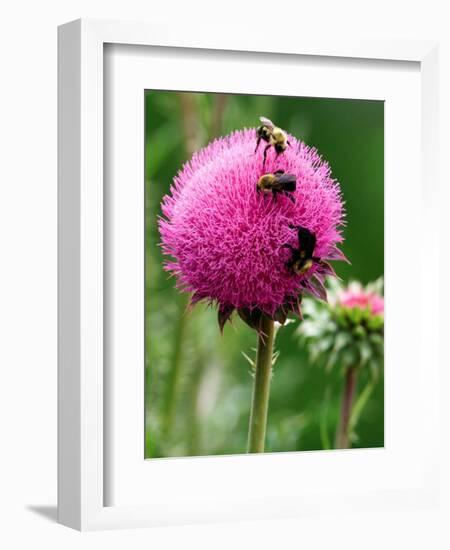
(302, 257)
(277, 182)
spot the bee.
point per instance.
(278, 182)
(275, 137)
(302, 258)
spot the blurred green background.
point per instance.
(198, 384)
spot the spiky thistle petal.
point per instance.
(226, 239)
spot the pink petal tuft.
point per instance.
(225, 239)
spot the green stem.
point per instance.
(261, 388)
(174, 374)
(193, 423)
(189, 120)
(360, 403)
(343, 432)
(324, 437)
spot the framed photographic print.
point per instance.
(235, 230)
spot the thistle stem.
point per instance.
(261, 388)
(174, 376)
(342, 434)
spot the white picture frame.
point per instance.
(87, 483)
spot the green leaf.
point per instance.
(342, 340)
(355, 315)
(275, 357)
(332, 360)
(341, 317)
(375, 367)
(365, 352)
(376, 339)
(324, 436)
(376, 286)
(252, 363)
(376, 322)
(349, 357)
(359, 331)
(360, 404)
(324, 344)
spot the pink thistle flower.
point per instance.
(356, 296)
(226, 239)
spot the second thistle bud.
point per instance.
(347, 332)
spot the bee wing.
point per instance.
(267, 122)
(312, 244)
(287, 178)
(288, 181)
(307, 240)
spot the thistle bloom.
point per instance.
(356, 296)
(349, 330)
(227, 240)
(348, 333)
